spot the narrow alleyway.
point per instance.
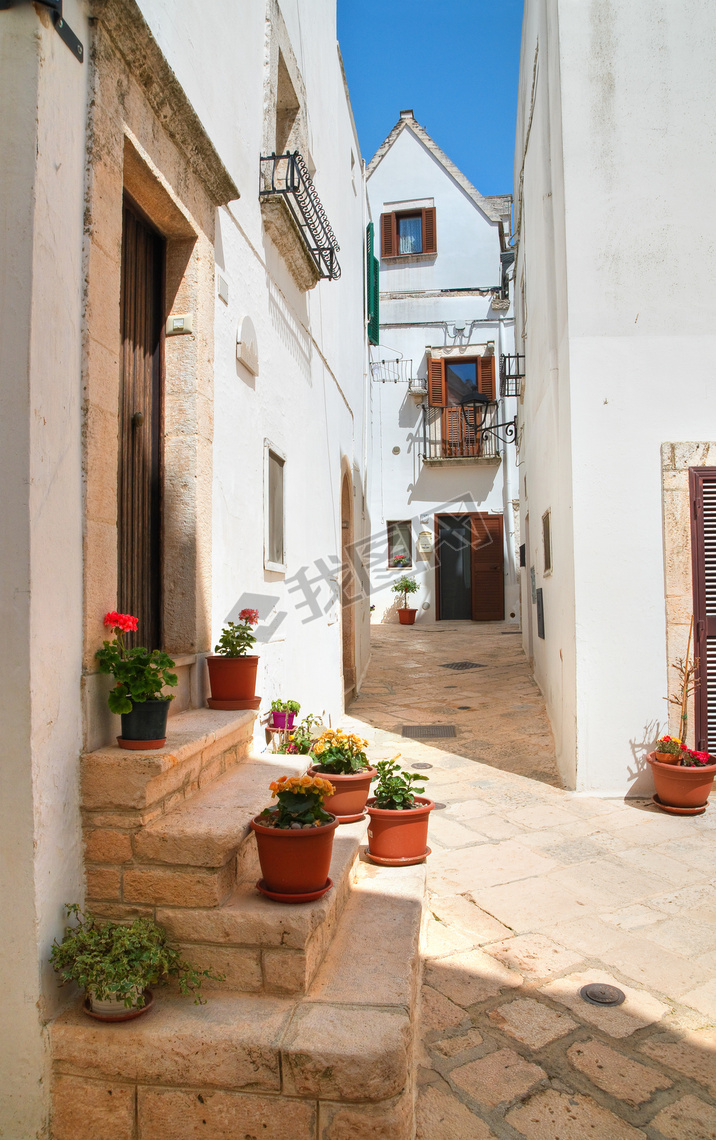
(533, 893)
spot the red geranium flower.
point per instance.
(250, 616)
(125, 622)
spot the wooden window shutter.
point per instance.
(388, 235)
(486, 376)
(373, 288)
(437, 397)
(430, 232)
(702, 485)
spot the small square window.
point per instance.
(274, 541)
(410, 233)
(547, 541)
(400, 545)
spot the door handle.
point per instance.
(138, 419)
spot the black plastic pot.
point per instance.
(146, 721)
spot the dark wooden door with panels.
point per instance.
(702, 486)
(469, 567)
(139, 477)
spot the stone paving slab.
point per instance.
(533, 891)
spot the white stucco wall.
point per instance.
(629, 296)
(43, 94)
(418, 309)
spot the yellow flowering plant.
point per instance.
(342, 753)
(299, 803)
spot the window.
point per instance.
(450, 381)
(408, 233)
(547, 541)
(400, 545)
(274, 544)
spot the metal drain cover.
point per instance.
(597, 993)
(421, 766)
(428, 731)
(438, 807)
(463, 666)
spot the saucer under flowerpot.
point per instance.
(399, 838)
(681, 787)
(407, 616)
(348, 802)
(111, 1009)
(294, 862)
(145, 727)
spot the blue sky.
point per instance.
(455, 62)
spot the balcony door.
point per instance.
(469, 567)
(140, 427)
(452, 380)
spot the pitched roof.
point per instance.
(494, 206)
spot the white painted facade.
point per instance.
(422, 299)
(615, 297)
(308, 400)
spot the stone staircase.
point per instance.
(310, 1034)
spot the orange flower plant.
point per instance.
(299, 802)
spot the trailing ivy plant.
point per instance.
(396, 789)
(120, 961)
(140, 673)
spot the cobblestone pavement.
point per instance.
(535, 892)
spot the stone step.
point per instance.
(334, 1063)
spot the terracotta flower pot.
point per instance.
(294, 862)
(681, 787)
(399, 837)
(233, 678)
(667, 757)
(348, 803)
(406, 616)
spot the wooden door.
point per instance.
(488, 582)
(702, 484)
(140, 427)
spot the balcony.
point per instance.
(296, 220)
(512, 372)
(461, 435)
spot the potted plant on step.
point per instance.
(283, 713)
(668, 750)
(303, 737)
(398, 828)
(341, 757)
(115, 963)
(403, 586)
(140, 676)
(295, 840)
(232, 672)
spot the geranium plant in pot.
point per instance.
(115, 963)
(398, 829)
(283, 713)
(295, 840)
(140, 676)
(232, 669)
(404, 586)
(683, 787)
(341, 756)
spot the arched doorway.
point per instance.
(347, 590)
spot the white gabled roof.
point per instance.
(494, 207)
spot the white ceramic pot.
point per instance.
(112, 1006)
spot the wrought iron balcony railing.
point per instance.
(287, 175)
(461, 433)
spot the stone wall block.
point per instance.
(241, 966)
(392, 1120)
(184, 1114)
(103, 315)
(178, 887)
(103, 846)
(285, 971)
(103, 883)
(344, 1053)
(702, 454)
(88, 1110)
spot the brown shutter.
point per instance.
(437, 397)
(388, 235)
(486, 376)
(430, 231)
(702, 485)
(488, 579)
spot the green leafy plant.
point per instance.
(115, 960)
(285, 706)
(301, 740)
(236, 637)
(396, 789)
(340, 752)
(670, 744)
(405, 585)
(140, 674)
(299, 803)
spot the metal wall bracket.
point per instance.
(63, 29)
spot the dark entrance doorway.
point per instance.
(469, 568)
(140, 427)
